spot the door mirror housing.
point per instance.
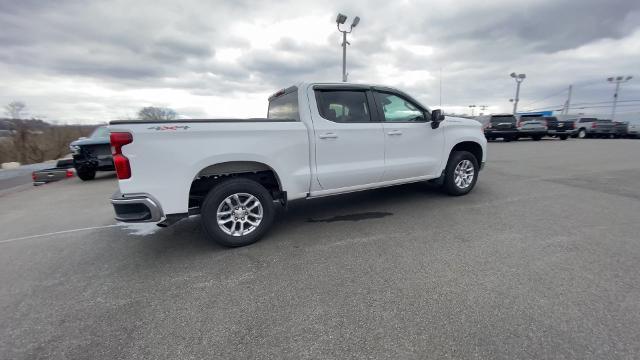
(436, 118)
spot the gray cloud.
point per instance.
(209, 49)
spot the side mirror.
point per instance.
(436, 118)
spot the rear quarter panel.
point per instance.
(165, 158)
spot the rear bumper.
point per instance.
(525, 133)
(138, 207)
(500, 133)
(561, 132)
(599, 131)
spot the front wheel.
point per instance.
(237, 212)
(563, 137)
(461, 173)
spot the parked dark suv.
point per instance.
(92, 154)
(501, 126)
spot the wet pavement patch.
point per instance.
(354, 217)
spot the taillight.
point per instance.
(594, 125)
(121, 163)
(33, 176)
(69, 173)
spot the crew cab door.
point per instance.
(349, 142)
(412, 148)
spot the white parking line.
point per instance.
(59, 232)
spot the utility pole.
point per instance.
(618, 80)
(440, 86)
(473, 108)
(567, 104)
(341, 20)
(483, 108)
(519, 78)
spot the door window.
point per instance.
(397, 109)
(343, 106)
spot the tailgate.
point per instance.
(49, 175)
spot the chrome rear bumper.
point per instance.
(138, 207)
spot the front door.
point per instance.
(412, 147)
(349, 142)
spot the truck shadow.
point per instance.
(187, 238)
(358, 206)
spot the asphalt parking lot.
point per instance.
(542, 260)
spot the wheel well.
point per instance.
(470, 146)
(212, 175)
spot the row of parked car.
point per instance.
(510, 127)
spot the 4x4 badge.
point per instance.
(168, 127)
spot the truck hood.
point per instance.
(90, 141)
(458, 121)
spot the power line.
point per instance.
(604, 102)
(545, 98)
(576, 106)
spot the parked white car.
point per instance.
(318, 139)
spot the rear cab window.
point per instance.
(284, 105)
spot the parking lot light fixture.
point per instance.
(617, 80)
(340, 20)
(519, 78)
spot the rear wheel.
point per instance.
(461, 173)
(237, 212)
(86, 175)
(582, 133)
(563, 137)
(537, 138)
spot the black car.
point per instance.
(501, 126)
(92, 154)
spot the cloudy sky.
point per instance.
(96, 61)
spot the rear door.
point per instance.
(349, 141)
(412, 147)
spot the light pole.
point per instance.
(618, 80)
(483, 108)
(519, 79)
(473, 109)
(339, 21)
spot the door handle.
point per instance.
(328, 136)
(395, 132)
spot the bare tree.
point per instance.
(14, 109)
(156, 113)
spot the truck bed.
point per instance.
(167, 156)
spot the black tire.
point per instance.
(537, 138)
(86, 175)
(215, 198)
(563, 137)
(506, 139)
(582, 134)
(449, 184)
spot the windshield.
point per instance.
(101, 132)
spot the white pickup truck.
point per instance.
(318, 139)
